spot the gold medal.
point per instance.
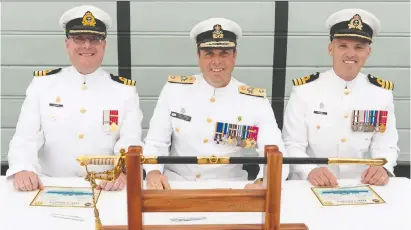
(253, 144)
(113, 127)
(382, 128)
(230, 140)
(248, 143)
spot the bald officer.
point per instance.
(210, 113)
(77, 110)
(343, 112)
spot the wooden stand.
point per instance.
(210, 200)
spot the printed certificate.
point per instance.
(357, 195)
(65, 197)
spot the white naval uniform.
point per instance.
(66, 120)
(317, 123)
(196, 137)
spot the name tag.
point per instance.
(319, 112)
(55, 105)
(180, 116)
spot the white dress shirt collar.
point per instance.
(344, 83)
(216, 92)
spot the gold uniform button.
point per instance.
(343, 139)
(82, 110)
(212, 99)
(346, 91)
(81, 136)
(177, 130)
(84, 87)
(205, 141)
(209, 120)
(318, 126)
(198, 175)
(345, 115)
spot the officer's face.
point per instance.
(217, 65)
(349, 56)
(86, 52)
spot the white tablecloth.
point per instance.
(298, 205)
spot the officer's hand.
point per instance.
(375, 175)
(27, 181)
(156, 180)
(254, 186)
(116, 185)
(322, 177)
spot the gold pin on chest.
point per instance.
(346, 90)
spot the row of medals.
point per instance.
(372, 121)
(236, 141)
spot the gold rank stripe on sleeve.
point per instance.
(385, 84)
(181, 79)
(306, 79)
(40, 73)
(248, 90)
(127, 81)
(123, 80)
(389, 85)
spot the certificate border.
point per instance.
(40, 191)
(382, 201)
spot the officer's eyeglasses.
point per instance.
(93, 39)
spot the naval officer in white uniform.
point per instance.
(343, 112)
(73, 111)
(210, 113)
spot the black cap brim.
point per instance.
(75, 27)
(86, 32)
(358, 35)
(227, 44)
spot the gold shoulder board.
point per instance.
(123, 80)
(182, 79)
(381, 82)
(40, 73)
(248, 90)
(306, 79)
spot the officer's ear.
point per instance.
(198, 54)
(198, 57)
(67, 43)
(104, 44)
(330, 48)
(235, 53)
(369, 49)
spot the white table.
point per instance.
(299, 205)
